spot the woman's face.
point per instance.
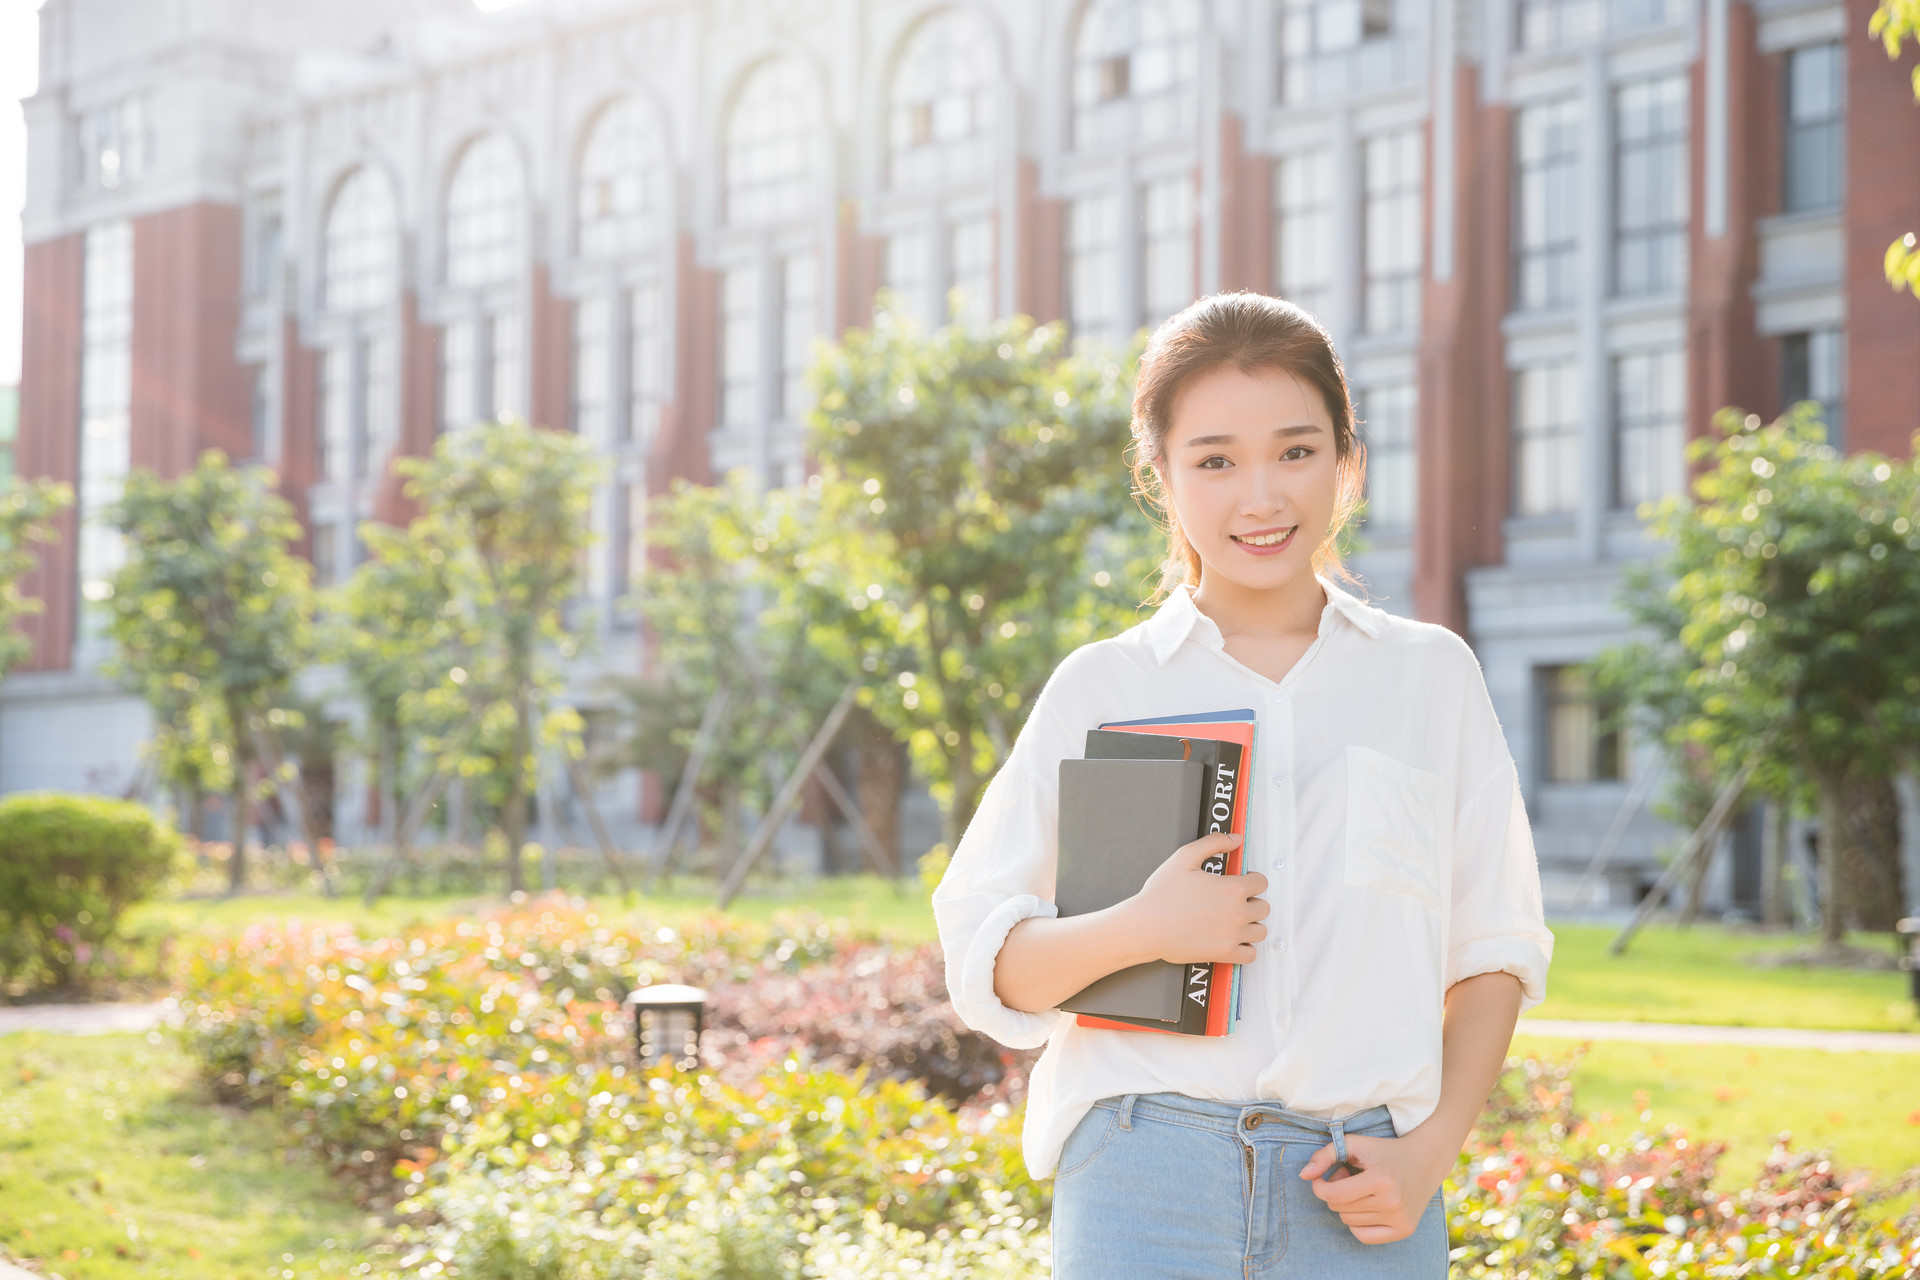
(1251, 470)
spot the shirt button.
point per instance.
(1279, 779)
(1278, 696)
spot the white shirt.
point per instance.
(1385, 813)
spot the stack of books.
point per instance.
(1145, 788)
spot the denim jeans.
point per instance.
(1167, 1187)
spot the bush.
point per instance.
(69, 866)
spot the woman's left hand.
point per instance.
(1384, 1200)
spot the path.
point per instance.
(95, 1019)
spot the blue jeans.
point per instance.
(1160, 1186)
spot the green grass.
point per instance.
(113, 1164)
(1865, 1107)
(1703, 975)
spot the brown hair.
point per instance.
(1251, 332)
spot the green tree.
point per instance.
(505, 506)
(975, 517)
(1794, 594)
(27, 511)
(1893, 23)
(211, 618)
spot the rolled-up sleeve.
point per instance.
(1497, 922)
(1002, 872)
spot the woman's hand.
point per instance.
(1185, 915)
(1397, 1177)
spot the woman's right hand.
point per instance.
(1189, 916)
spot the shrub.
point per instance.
(69, 866)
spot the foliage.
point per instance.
(496, 548)
(1892, 24)
(976, 519)
(211, 620)
(1794, 580)
(27, 511)
(71, 866)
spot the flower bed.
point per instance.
(478, 1077)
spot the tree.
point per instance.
(211, 616)
(1893, 23)
(505, 506)
(975, 518)
(1794, 593)
(27, 511)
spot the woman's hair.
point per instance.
(1252, 333)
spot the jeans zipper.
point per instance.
(1248, 1151)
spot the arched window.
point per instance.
(359, 269)
(769, 137)
(619, 193)
(485, 211)
(940, 127)
(1134, 67)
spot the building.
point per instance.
(1551, 237)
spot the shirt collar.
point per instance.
(1178, 618)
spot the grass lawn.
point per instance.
(113, 1164)
(1864, 1106)
(1703, 975)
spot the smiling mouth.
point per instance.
(1275, 539)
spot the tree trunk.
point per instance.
(1773, 862)
(879, 777)
(1833, 838)
(1697, 876)
(1871, 870)
(238, 820)
(513, 815)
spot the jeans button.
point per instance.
(1253, 1122)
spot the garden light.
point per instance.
(667, 1021)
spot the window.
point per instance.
(1650, 428)
(592, 368)
(1391, 258)
(459, 370)
(1093, 261)
(379, 406)
(1816, 128)
(1546, 438)
(1387, 428)
(799, 324)
(740, 348)
(970, 257)
(646, 363)
(1650, 186)
(1545, 215)
(769, 177)
(259, 411)
(263, 262)
(1308, 29)
(1813, 367)
(116, 143)
(326, 553)
(908, 270)
(1134, 67)
(360, 268)
(334, 438)
(633, 518)
(485, 213)
(1303, 230)
(617, 197)
(1167, 249)
(506, 365)
(941, 127)
(1579, 745)
(106, 400)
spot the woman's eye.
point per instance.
(1296, 453)
(1207, 462)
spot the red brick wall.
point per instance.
(419, 408)
(48, 444)
(1883, 204)
(861, 260)
(1461, 434)
(550, 388)
(190, 392)
(1040, 278)
(680, 444)
(299, 396)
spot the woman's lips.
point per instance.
(1273, 550)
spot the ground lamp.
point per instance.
(667, 1021)
(1911, 962)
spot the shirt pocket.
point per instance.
(1393, 827)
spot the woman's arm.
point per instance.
(1384, 1201)
(1181, 914)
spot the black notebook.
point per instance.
(1119, 821)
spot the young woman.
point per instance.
(1389, 918)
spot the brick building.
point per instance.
(1551, 237)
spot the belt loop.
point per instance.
(1339, 1140)
(1126, 1112)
